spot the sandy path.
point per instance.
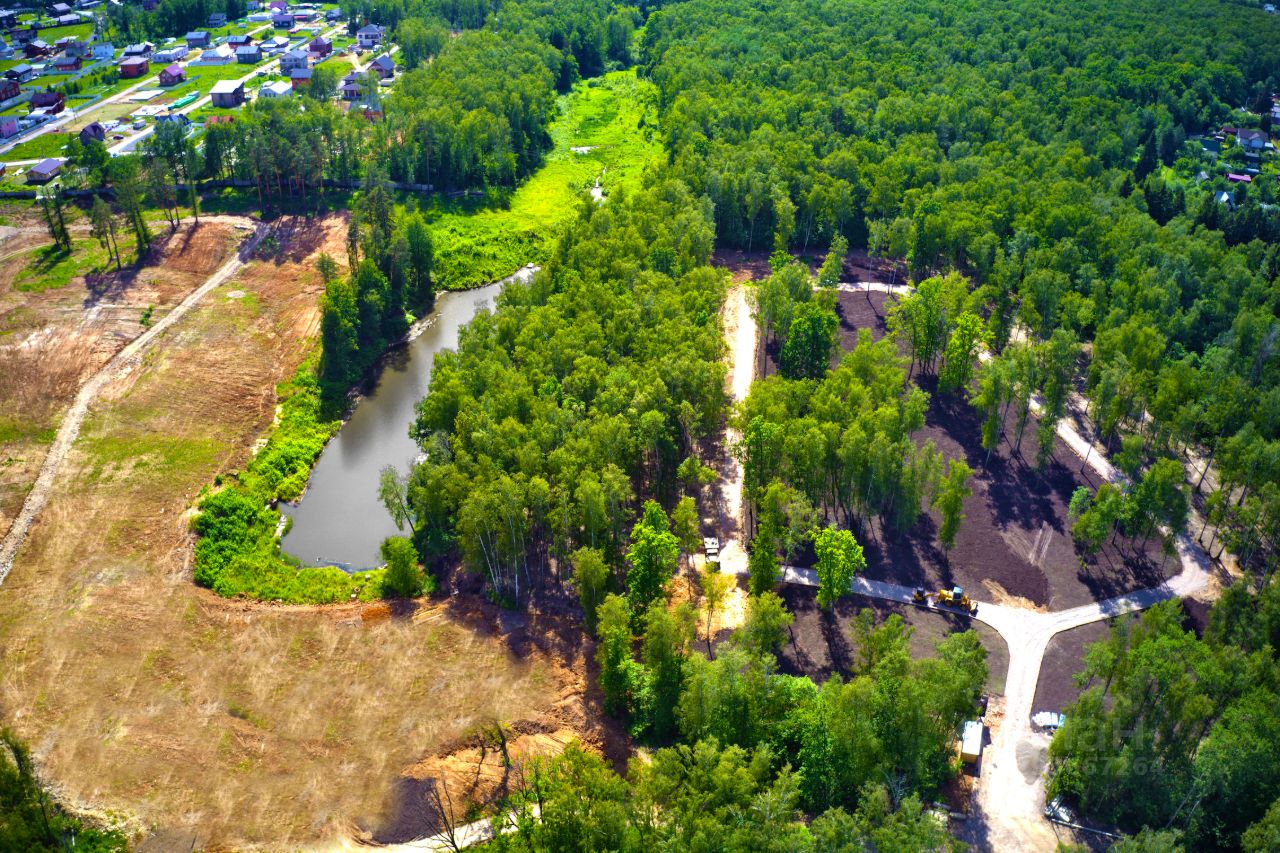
(121, 364)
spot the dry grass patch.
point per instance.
(223, 722)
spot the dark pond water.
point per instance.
(340, 520)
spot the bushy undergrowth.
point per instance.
(238, 553)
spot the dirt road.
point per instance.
(1011, 788)
(122, 363)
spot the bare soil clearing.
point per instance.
(820, 644)
(53, 340)
(221, 723)
(1015, 545)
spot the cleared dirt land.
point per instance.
(820, 646)
(1015, 545)
(54, 337)
(205, 722)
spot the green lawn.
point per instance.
(45, 145)
(47, 269)
(79, 31)
(478, 241)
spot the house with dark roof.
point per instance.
(384, 66)
(249, 54)
(171, 75)
(37, 48)
(300, 78)
(319, 47)
(142, 48)
(134, 66)
(217, 19)
(22, 35)
(94, 132)
(8, 19)
(67, 64)
(8, 126)
(9, 89)
(6, 52)
(66, 20)
(51, 102)
(1252, 140)
(180, 119)
(60, 9)
(282, 21)
(239, 40)
(197, 39)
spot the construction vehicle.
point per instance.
(919, 596)
(956, 597)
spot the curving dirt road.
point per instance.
(121, 364)
(1011, 787)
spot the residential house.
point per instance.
(66, 20)
(320, 47)
(369, 37)
(94, 132)
(76, 47)
(8, 19)
(60, 9)
(21, 73)
(278, 89)
(292, 59)
(22, 35)
(300, 78)
(220, 55)
(333, 15)
(51, 102)
(278, 6)
(384, 66)
(234, 42)
(259, 17)
(250, 54)
(198, 39)
(8, 126)
(179, 119)
(134, 66)
(170, 54)
(45, 171)
(1224, 197)
(37, 48)
(9, 89)
(67, 65)
(142, 48)
(282, 20)
(217, 19)
(104, 51)
(172, 75)
(1239, 179)
(351, 88)
(1252, 140)
(227, 93)
(371, 112)
(6, 52)
(304, 15)
(275, 44)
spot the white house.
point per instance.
(220, 55)
(369, 36)
(278, 89)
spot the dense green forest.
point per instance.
(1041, 172)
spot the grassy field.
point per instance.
(47, 269)
(45, 145)
(479, 241)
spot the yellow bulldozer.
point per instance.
(957, 597)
